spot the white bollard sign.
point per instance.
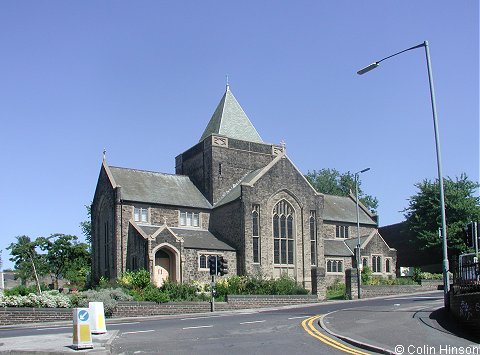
(82, 339)
(97, 318)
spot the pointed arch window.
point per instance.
(256, 233)
(313, 238)
(283, 233)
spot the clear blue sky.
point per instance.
(142, 79)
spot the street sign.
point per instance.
(82, 339)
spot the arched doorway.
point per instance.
(164, 267)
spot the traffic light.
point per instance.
(469, 235)
(212, 264)
(222, 265)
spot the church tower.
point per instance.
(228, 150)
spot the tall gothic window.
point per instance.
(283, 231)
(256, 234)
(313, 238)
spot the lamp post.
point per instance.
(446, 283)
(359, 259)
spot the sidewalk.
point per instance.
(55, 344)
(398, 329)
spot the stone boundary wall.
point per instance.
(20, 315)
(15, 316)
(465, 308)
(389, 290)
(143, 309)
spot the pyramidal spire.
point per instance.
(230, 120)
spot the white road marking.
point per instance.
(200, 326)
(52, 328)
(418, 297)
(139, 331)
(298, 317)
(111, 324)
(203, 317)
(255, 321)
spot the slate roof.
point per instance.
(235, 192)
(193, 238)
(158, 188)
(230, 120)
(352, 242)
(201, 239)
(336, 247)
(344, 209)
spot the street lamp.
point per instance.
(446, 283)
(359, 259)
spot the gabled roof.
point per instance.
(344, 209)
(158, 188)
(352, 242)
(230, 120)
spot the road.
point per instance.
(291, 330)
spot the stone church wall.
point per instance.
(191, 267)
(226, 224)
(103, 228)
(377, 246)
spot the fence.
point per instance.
(466, 276)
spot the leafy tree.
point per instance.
(86, 225)
(64, 255)
(27, 260)
(424, 218)
(332, 182)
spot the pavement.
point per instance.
(55, 344)
(401, 329)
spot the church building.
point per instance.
(236, 196)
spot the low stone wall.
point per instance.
(388, 290)
(466, 309)
(13, 315)
(258, 301)
(143, 309)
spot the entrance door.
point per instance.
(161, 270)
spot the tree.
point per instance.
(64, 254)
(86, 225)
(332, 182)
(26, 259)
(424, 218)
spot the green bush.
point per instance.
(366, 275)
(430, 276)
(136, 280)
(248, 285)
(154, 294)
(182, 292)
(21, 290)
(337, 291)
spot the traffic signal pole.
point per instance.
(212, 293)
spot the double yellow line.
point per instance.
(307, 324)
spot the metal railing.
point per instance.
(466, 276)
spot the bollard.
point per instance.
(97, 318)
(82, 339)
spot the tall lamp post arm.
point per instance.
(377, 63)
(446, 282)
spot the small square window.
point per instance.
(189, 219)
(140, 214)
